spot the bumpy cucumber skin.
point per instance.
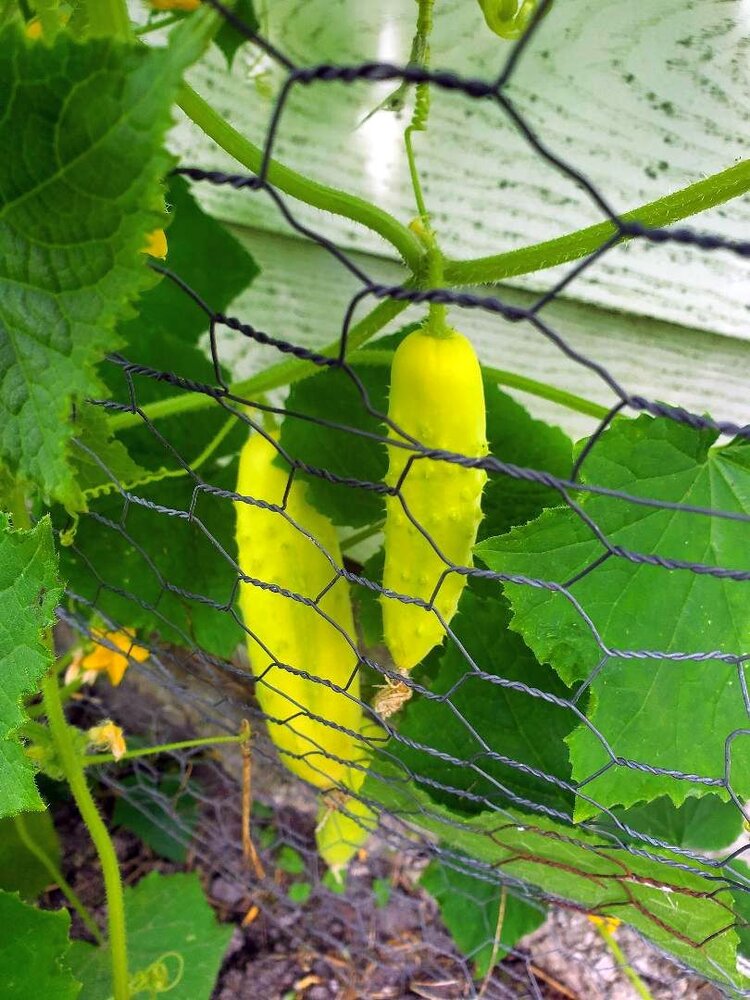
(273, 550)
(437, 397)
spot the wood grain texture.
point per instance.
(302, 293)
(643, 97)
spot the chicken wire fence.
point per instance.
(124, 574)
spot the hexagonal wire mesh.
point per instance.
(443, 789)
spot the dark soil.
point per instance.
(347, 946)
(388, 944)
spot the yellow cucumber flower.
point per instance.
(108, 736)
(156, 244)
(104, 659)
(609, 924)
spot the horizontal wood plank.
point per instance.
(642, 97)
(302, 293)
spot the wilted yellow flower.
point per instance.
(175, 4)
(156, 244)
(107, 736)
(609, 924)
(75, 670)
(110, 661)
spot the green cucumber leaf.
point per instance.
(515, 437)
(169, 921)
(165, 336)
(471, 906)
(705, 824)
(34, 952)
(29, 591)
(674, 714)
(683, 910)
(333, 396)
(86, 123)
(479, 718)
(228, 38)
(21, 869)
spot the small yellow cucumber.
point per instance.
(275, 551)
(437, 397)
(345, 822)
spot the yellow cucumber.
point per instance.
(275, 551)
(437, 397)
(345, 822)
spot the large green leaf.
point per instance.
(486, 720)
(29, 592)
(671, 713)
(484, 919)
(169, 323)
(161, 809)
(334, 397)
(683, 910)
(22, 840)
(82, 127)
(705, 824)
(516, 438)
(169, 921)
(34, 952)
(162, 572)
(101, 461)
(155, 550)
(228, 38)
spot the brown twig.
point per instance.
(551, 981)
(249, 852)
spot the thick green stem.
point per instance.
(165, 22)
(698, 197)
(56, 876)
(207, 741)
(542, 390)
(318, 195)
(34, 711)
(76, 778)
(437, 323)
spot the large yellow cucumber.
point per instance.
(275, 551)
(437, 397)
